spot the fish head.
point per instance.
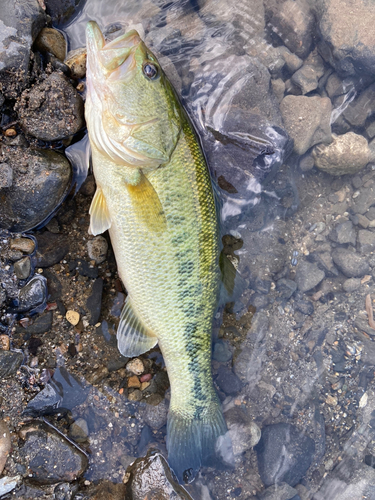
(132, 113)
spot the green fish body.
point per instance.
(154, 194)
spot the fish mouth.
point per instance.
(116, 57)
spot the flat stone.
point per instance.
(349, 263)
(363, 106)
(133, 382)
(344, 233)
(9, 363)
(284, 454)
(50, 457)
(22, 268)
(308, 76)
(304, 306)
(221, 352)
(25, 245)
(308, 276)
(364, 201)
(286, 287)
(366, 241)
(347, 154)
(363, 221)
(307, 120)
(109, 491)
(42, 324)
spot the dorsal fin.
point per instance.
(133, 338)
(100, 220)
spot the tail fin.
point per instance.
(195, 442)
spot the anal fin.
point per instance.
(133, 338)
(100, 219)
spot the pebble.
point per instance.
(22, 268)
(106, 490)
(221, 352)
(53, 41)
(244, 433)
(73, 317)
(25, 245)
(79, 430)
(4, 343)
(349, 263)
(304, 306)
(136, 395)
(9, 363)
(97, 249)
(286, 287)
(33, 295)
(344, 233)
(94, 301)
(228, 381)
(308, 276)
(52, 248)
(134, 382)
(284, 444)
(366, 241)
(351, 285)
(136, 366)
(5, 444)
(76, 61)
(42, 324)
(156, 416)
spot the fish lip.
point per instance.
(94, 37)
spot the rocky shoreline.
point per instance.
(282, 95)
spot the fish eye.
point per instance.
(150, 70)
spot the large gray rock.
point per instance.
(20, 23)
(347, 30)
(51, 110)
(41, 179)
(293, 22)
(347, 154)
(307, 120)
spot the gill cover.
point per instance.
(132, 118)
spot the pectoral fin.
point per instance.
(148, 207)
(100, 220)
(133, 338)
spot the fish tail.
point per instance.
(192, 442)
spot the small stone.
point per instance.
(308, 76)
(110, 491)
(350, 263)
(134, 382)
(221, 352)
(146, 377)
(228, 381)
(94, 301)
(306, 163)
(33, 295)
(156, 416)
(135, 366)
(52, 248)
(76, 60)
(304, 306)
(89, 186)
(22, 268)
(347, 154)
(79, 430)
(97, 249)
(351, 285)
(308, 276)
(53, 41)
(25, 245)
(136, 395)
(4, 344)
(286, 287)
(366, 241)
(363, 221)
(344, 233)
(331, 400)
(5, 444)
(6, 175)
(9, 363)
(73, 317)
(145, 385)
(244, 433)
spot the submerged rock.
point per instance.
(33, 295)
(350, 263)
(61, 10)
(243, 432)
(284, 454)
(41, 179)
(347, 154)
(50, 457)
(308, 276)
(152, 477)
(9, 363)
(51, 110)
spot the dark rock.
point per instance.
(88, 187)
(351, 264)
(36, 193)
(221, 351)
(280, 491)
(228, 381)
(46, 402)
(33, 295)
(51, 110)
(52, 248)
(52, 41)
(42, 324)
(50, 457)
(363, 326)
(94, 302)
(286, 287)
(284, 454)
(19, 26)
(54, 286)
(348, 39)
(84, 269)
(366, 241)
(307, 120)
(364, 201)
(308, 276)
(9, 363)
(65, 491)
(152, 474)
(344, 233)
(67, 212)
(71, 390)
(361, 107)
(108, 333)
(293, 22)
(62, 10)
(304, 306)
(33, 345)
(79, 430)
(116, 364)
(22, 268)
(325, 262)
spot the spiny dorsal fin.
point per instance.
(149, 209)
(133, 338)
(100, 220)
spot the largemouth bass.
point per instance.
(155, 197)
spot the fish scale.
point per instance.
(164, 231)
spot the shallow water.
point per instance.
(218, 59)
